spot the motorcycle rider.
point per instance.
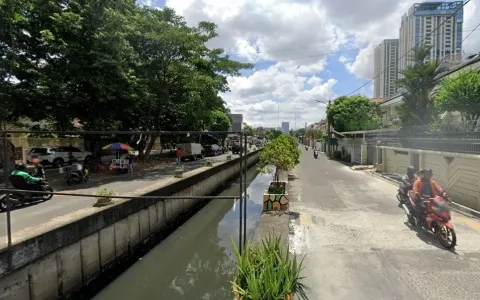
(423, 187)
(39, 171)
(33, 183)
(407, 181)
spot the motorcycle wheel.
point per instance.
(442, 233)
(70, 181)
(47, 197)
(3, 204)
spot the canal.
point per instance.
(197, 260)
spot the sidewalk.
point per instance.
(39, 213)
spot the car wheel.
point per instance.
(58, 163)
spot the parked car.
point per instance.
(212, 150)
(57, 156)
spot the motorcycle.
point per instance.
(437, 218)
(77, 176)
(17, 198)
(315, 154)
(306, 148)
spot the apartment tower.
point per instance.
(385, 69)
(421, 20)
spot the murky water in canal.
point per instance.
(197, 260)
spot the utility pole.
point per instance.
(329, 133)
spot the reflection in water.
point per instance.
(197, 260)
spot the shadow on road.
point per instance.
(428, 237)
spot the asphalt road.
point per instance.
(39, 213)
(358, 244)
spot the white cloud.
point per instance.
(290, 40)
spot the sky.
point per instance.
(303, 50)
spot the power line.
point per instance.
(396, 62)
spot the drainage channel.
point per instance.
(197, 260)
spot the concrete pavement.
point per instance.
(39, 213)
(359, 244)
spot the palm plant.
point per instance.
(265, 271)
(418, 81)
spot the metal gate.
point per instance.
(371, 154)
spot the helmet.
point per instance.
(427, 173)
(411, 170)
(20, 167)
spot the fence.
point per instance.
(143, 142)
(459, 137)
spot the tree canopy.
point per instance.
(353, 113)
(110, 65)
(461, 93)
(282, 153)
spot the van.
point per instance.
(191, 151)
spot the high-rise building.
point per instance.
(385, 69)
(237, 121)
(285, 127)
(421, 20)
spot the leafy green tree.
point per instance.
(248, 130)
(282, 153)
(220, 121)
(273, 133)
(354, 113)
(418, 82)
(460, 93)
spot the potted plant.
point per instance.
(265, 271)
(281, 154)
(104, 197)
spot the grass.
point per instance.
(266, 272)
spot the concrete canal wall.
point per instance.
(56, 262)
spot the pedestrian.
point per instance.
(178, 153)
(130, 163)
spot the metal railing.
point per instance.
(8, 158)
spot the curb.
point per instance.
(456, 206)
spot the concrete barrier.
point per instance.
(53, 263)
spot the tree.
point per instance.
(220, 121)
(282, 153)
(418, 82)
(273, 133)
(354, 113)
(460, 93)
(248, 130)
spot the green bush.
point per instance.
(266, 272)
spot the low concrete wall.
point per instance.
(457, 173)
(53, 264)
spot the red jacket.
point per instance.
(178, 152)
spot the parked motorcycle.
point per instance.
(18, 199)
(437, 216)
(315, 154)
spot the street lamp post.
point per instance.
(329, 131)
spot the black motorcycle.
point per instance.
(315, 154)
(21, 198)
(76, 176)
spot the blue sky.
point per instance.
(275, 34)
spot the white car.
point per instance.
(57, 156)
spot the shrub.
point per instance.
(282, 153)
